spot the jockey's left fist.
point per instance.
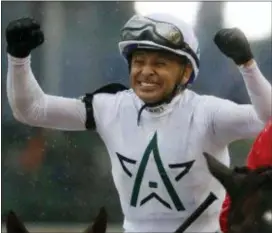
(234, 44)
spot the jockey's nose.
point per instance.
(147, 70)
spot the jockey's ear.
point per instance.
(14, 225)
(223, 174)
(100, 223)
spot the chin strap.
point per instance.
(167, 100)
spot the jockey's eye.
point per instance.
(138, 61)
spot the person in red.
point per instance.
(260, 155)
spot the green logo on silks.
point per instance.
(153, 147)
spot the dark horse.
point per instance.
(14, 224)
(251, 196)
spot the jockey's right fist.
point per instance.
(23, 35)
(233, 43)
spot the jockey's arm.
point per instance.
(258, 88)
(231, 121)
(30, 105)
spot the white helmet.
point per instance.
(161, 31)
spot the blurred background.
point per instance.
(53, 177)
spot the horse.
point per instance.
(251, 196)
(15, 225)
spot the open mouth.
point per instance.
(144, 84)
(148, 84)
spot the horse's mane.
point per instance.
(254, 179)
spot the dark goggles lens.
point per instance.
(142, 28)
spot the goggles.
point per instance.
(141, 28)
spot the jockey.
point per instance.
(156, 131)
(260, 155)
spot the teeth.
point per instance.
(144, 84)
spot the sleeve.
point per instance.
(261, 151)
(30, 105)
(223, 218)
(232, 122)
(259, 90)
(102, 105)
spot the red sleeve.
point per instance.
(260, 155)
(261, 152)
(224, 214)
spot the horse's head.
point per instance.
(251, 196)
(15, 225)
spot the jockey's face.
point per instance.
(154, 74)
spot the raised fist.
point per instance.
(234, 44)
(23, 35)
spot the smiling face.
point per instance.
(154, 74)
